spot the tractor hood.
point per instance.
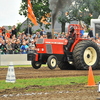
(52, 41)
(51, 46)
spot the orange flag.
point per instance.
(31, 15)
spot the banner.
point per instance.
(31, 15)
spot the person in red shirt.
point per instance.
(0, 30)
(8, 34)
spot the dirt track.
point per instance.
(66, 92)
(44, 72)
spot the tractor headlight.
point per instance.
(38, 49)
(42, 49)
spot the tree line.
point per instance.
(83, 10)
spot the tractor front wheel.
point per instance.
(52, 62)
(36, 65)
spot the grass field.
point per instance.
(22, 83)
(15, 66)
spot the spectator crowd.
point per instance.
(23, 42)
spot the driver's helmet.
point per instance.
(71, 30)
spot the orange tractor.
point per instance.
(71, 51)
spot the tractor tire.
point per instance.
(52, 62)
(86, 53)
(36, 65)
(64, 65)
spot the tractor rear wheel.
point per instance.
(64, 65)
(52, 62)
(36, 65)
(85, 54)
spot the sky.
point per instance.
(9, 12)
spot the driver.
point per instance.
(71, 38)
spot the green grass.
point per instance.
(16, 66)
(22, 83)
(21, 66)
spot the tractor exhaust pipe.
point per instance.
(53, 22)
(52, 33)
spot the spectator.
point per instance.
(62, 37)
(13, 46)
(23, 40)
(99, 42)
(96, 37)
(88, 37)
(6, 40)
(55, 37)
(22, 35)
(32, 45)
(30, 31)
(9, 48)
(1, 35)
(91, 32)
(44, 32)
(24, 48)
(82, 31)
(27, 43)
(19, 38)
(45, 35)
(41, 33)
(0, 30)
(19, 34)
(19, 44)
(13, 37)
(41, 36)
(31, 38)
(8, 34)
(34, 35)
(9, 40)
(55, 33)
(14, 31)
(82, 37)
(27, 38)
(3, 47)
(16, 48)
(10, 31)
(63, 34)
(3, 30)
(35, 39)
(59, 36)
(0, 45)
(38, 35)
(93, 40)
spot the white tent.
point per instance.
(95, 23)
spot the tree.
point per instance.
(40, 8)
(63, 18)
(19, 26)
(9, 27)
(85, 10)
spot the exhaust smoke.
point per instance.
(56, 6)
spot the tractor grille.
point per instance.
(39, 41)
(49, 48)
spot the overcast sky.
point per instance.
(9, 12)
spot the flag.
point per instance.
(31, 15)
